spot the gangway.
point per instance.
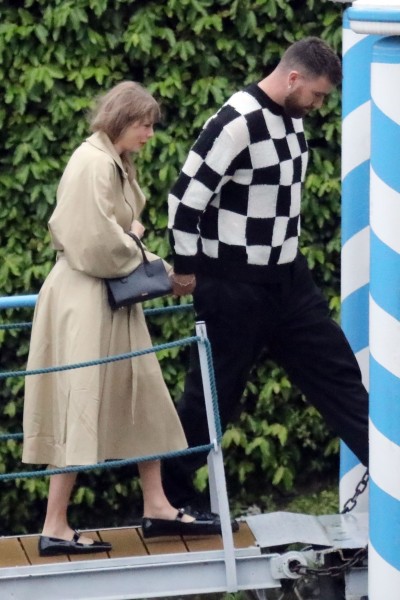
(266, 550)
(138, 568)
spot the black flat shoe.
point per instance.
(206, 515)
(204, 524)
(49, 546)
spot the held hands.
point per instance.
(137, 228)
(182, 284)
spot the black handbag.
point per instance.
(149, 280)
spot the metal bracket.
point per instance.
(281, 566)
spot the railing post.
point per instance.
(218, 492)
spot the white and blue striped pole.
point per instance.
(385, 322)
(384, 534)
(356, 114)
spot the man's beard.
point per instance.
(292, 107)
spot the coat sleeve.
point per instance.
(84, 225)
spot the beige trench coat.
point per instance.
(121, 409)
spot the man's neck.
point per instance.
(273, 86)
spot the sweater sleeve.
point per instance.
(206, 170)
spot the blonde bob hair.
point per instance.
(121, 106)
(125, 103)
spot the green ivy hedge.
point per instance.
(55, 57)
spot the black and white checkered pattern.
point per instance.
(236, 203)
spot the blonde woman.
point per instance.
(120, 409)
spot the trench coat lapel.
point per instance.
(132, 193)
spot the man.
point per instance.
(234, 217)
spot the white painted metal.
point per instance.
(136, 577)
(219, 496)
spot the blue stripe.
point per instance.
(357, 71)
(385, 144)
(355, 310)
(384, 526)
(348, 460)
(385, 401)
(387, 50)
(385, 276)
(379, 15)
(355, 197)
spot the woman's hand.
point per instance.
(137, 228)
(182, 284)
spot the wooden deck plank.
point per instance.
(164, 545)
(125, 542)
(22, 550)
(244, 538)
(204, 542)
(11, 553)
(30, 545)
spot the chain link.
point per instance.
(360, 489)
(356, 559)
(333, 571)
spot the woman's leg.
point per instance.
(56, 522)
(161, 518)
(155, 502)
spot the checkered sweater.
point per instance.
(235, 209)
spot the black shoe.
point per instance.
(49, 546)
(204, 524)
(206, 515)
(161, 527)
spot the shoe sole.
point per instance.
(76, 551)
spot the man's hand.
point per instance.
(182, 284)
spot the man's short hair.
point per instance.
(315, 57)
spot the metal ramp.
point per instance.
(138, 568)
(266, 550)
(134, 569)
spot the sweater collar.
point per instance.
(264, 100)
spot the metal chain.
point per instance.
(360, 489)
(356, 559)
(334, 571)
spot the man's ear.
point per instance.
(293, 77)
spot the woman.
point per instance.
(117, 410)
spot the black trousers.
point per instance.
(290, 317)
